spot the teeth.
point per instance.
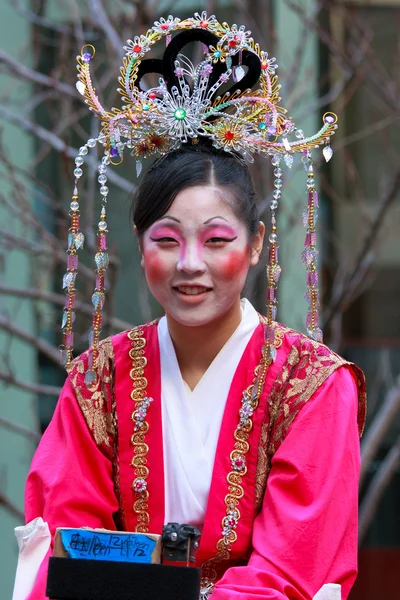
(192, 291)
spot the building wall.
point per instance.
(16, 406)
(290, 42)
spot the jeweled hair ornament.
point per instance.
(213, 101)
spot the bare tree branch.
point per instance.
(35, 77)
(42, 21)
(47, 349)
(101, 18)
(54, 254)
(59, 145)
(377, 431)
(35, 388)
(366, 132)
(351, 279)
(24, 431)
(59, 299)
(11, 508)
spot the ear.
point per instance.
(140, 246)
(257, 244)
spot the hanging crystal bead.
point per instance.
(328, 153)
(90, 377)
(288, 158)
(238, 73)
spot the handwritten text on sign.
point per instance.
(105, 546)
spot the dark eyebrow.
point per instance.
(169, 217)
(217, 217)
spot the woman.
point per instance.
(189, 419)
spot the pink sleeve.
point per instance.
(70, 482)
(306, 533)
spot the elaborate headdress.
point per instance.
(214, 100)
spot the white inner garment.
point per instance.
(192, 420)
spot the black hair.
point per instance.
(189, 167)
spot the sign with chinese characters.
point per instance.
(100, 544)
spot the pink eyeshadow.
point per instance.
(219, 231)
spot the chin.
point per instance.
(197, 316)
(191, 319)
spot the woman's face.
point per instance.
(196, 257)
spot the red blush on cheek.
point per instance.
(235, 263)
(154, 266)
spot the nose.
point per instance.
(190, 260)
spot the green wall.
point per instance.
(15, 405)
(291, 40)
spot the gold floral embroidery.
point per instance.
(141, 427)
(98, 405)
(96, 401)
(307, 366)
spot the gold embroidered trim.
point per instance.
(141, 427)
(307, 366)
(96, 401)
(230, 521)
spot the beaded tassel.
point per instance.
(310, 253)
(75, 242)
(101, 260)
(273, 268)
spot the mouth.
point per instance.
(192, 290)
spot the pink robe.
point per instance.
(297, 496)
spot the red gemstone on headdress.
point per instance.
(137, 48)
(229, 135)
(156, 141)
(264, 65)
(152, 95)
(164, 26)
(204, 24)
(233, 43)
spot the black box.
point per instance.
(75, 579)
